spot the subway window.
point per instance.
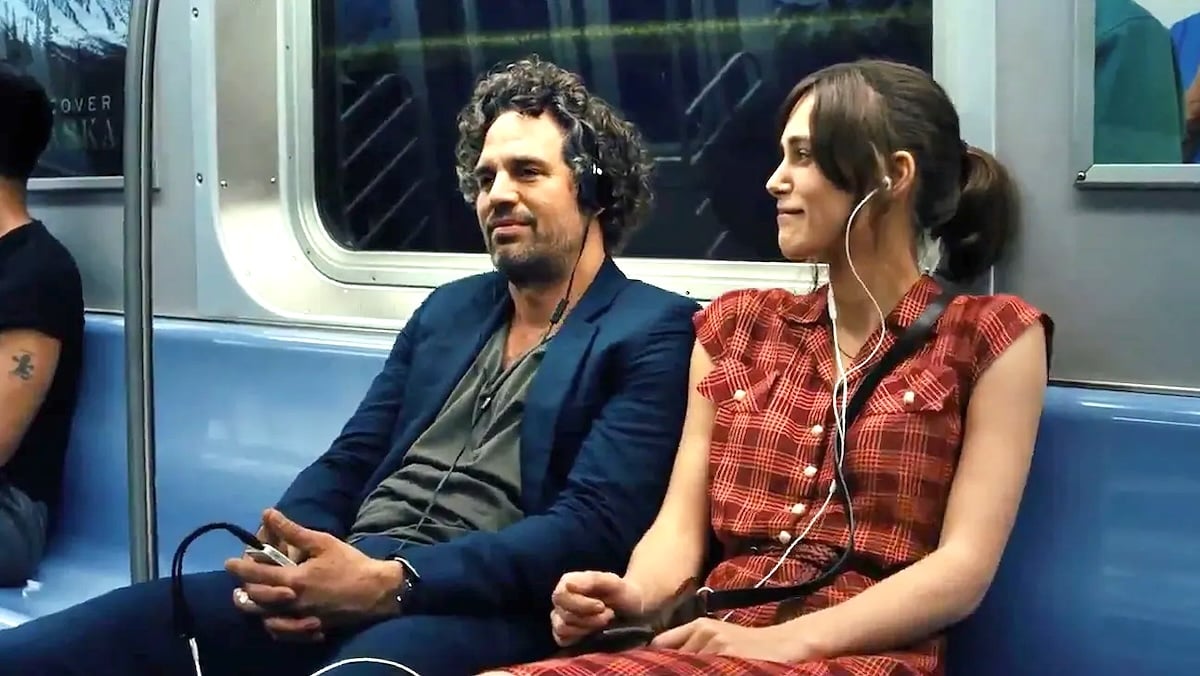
(702, 79)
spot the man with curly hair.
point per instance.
(524, 425)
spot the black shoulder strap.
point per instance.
(908, 343)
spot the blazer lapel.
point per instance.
(454, 349)
(551, 386)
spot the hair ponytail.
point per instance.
(979, 232)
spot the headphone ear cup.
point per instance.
(595, 191)
(603, 195)
(587, 191)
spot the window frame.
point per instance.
(701, 279)
(1083, 117)
(959, 31)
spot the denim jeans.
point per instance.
(22, 535)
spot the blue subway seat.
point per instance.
(240, 410)
(1102, 574)
(89, 554)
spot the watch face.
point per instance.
(407, 582)
(405, 586)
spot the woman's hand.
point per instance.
(585, 602)
(705, 636)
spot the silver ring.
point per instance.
(242, 598)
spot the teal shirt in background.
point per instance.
(1139, 101)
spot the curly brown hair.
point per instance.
(596, 137)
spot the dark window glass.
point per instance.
(701, 78)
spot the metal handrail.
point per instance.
(754, 75)
(139, 305)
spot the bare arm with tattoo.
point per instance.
(27, 363)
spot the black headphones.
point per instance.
(595, 187)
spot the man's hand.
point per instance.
(245, 597)
(336, 585)
(267, 536)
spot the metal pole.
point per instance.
(139, 305)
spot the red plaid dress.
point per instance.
(771, 463)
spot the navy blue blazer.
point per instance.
(601, 426)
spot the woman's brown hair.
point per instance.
(866, 110)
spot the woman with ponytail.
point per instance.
(906, 510)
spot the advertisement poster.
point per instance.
(76, 49)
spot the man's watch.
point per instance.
(411, 578)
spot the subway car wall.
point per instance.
(303, 164)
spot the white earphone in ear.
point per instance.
(887, 182)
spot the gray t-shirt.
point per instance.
(477, 434)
